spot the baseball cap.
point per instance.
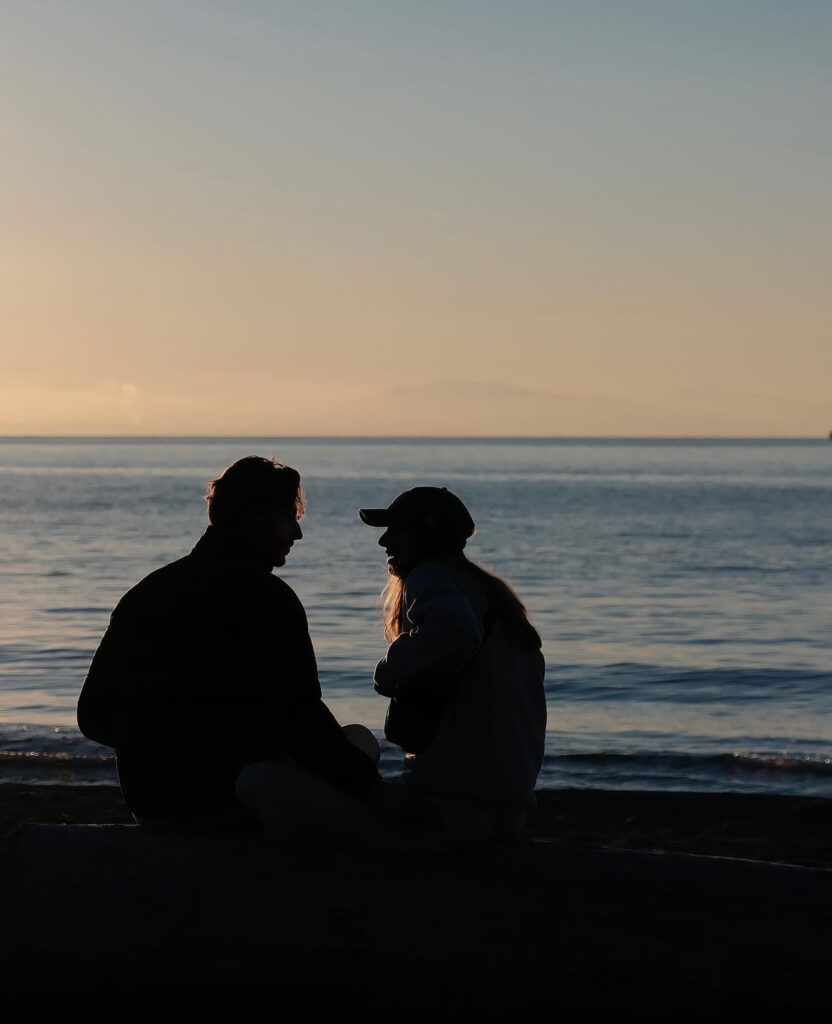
(434, 509)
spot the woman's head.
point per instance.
(421, 523)
(432, 522)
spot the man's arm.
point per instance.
(309, 732)
(319, 744)
(101, 701)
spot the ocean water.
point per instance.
(683, 589)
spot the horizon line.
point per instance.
(415, 437)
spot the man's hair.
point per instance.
(253, 485)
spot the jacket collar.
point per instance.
(221, 545)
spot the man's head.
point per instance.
(261, 501)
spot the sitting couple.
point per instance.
(206, 686)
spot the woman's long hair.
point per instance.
(503, 605)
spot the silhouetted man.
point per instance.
(207, 665)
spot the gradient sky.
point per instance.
(230, 216)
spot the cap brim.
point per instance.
(374, 516)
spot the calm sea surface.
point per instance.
(683, 589)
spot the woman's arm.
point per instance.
(445, 633)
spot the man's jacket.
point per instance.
(207, 666)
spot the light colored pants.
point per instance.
(300, 809)
(262, 789)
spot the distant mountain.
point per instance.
(465, 407)
(460, 407)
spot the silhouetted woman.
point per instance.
(463, 671)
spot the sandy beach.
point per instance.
(608, 911)
(776, 829)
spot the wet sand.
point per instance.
(776, 829)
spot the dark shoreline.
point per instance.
(773, 828)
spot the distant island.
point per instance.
(459, 407)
